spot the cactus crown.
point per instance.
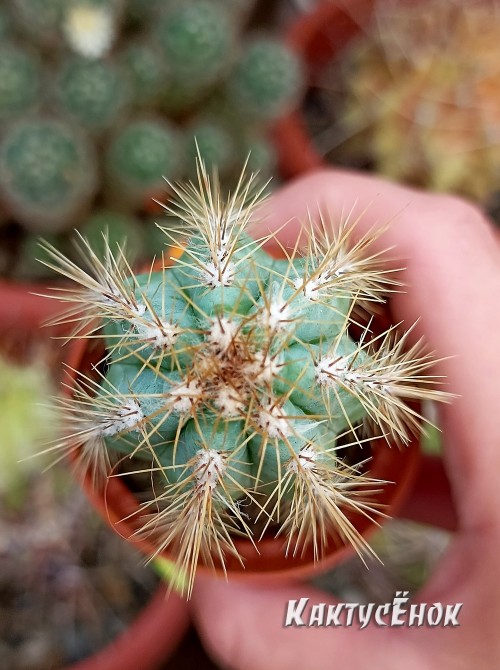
(233, 379)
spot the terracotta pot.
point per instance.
(21, 306)
(317, 37)
(119, 507)
(148, 642)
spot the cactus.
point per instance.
(107, 67)
(261, 155)
(232, 378)
(197, 39)
(47, 174)
(147, 71)
(94, 93)
(266, 80)
(418, 97)
(213, 143)
(32, 260)
(110, 229)
(141, 155)
(19, 81)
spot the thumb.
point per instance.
(243, 627)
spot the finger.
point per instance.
(452, 276)
(243, 628)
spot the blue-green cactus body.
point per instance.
(159, 298)
(299, 379)
(149, 388)
(222, 436)
(205, 313)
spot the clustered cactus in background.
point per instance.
(234, 380)
(100, 99)
(419, 98)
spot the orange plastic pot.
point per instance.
(316, 37)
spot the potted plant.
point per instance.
(73, 594)
(239, 412)
(407, 90)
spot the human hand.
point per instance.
(452, 279)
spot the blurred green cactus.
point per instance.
(142, 81)
(148, 71)
(27, 417)
(198, 41)
(93, 93)
(141, 155)
(32, 258)
(211, 142)
(266, 80)
(106, 228)
(47, 173)
(40, 20)
(5, 24)
(19, 81)
(261, 155)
